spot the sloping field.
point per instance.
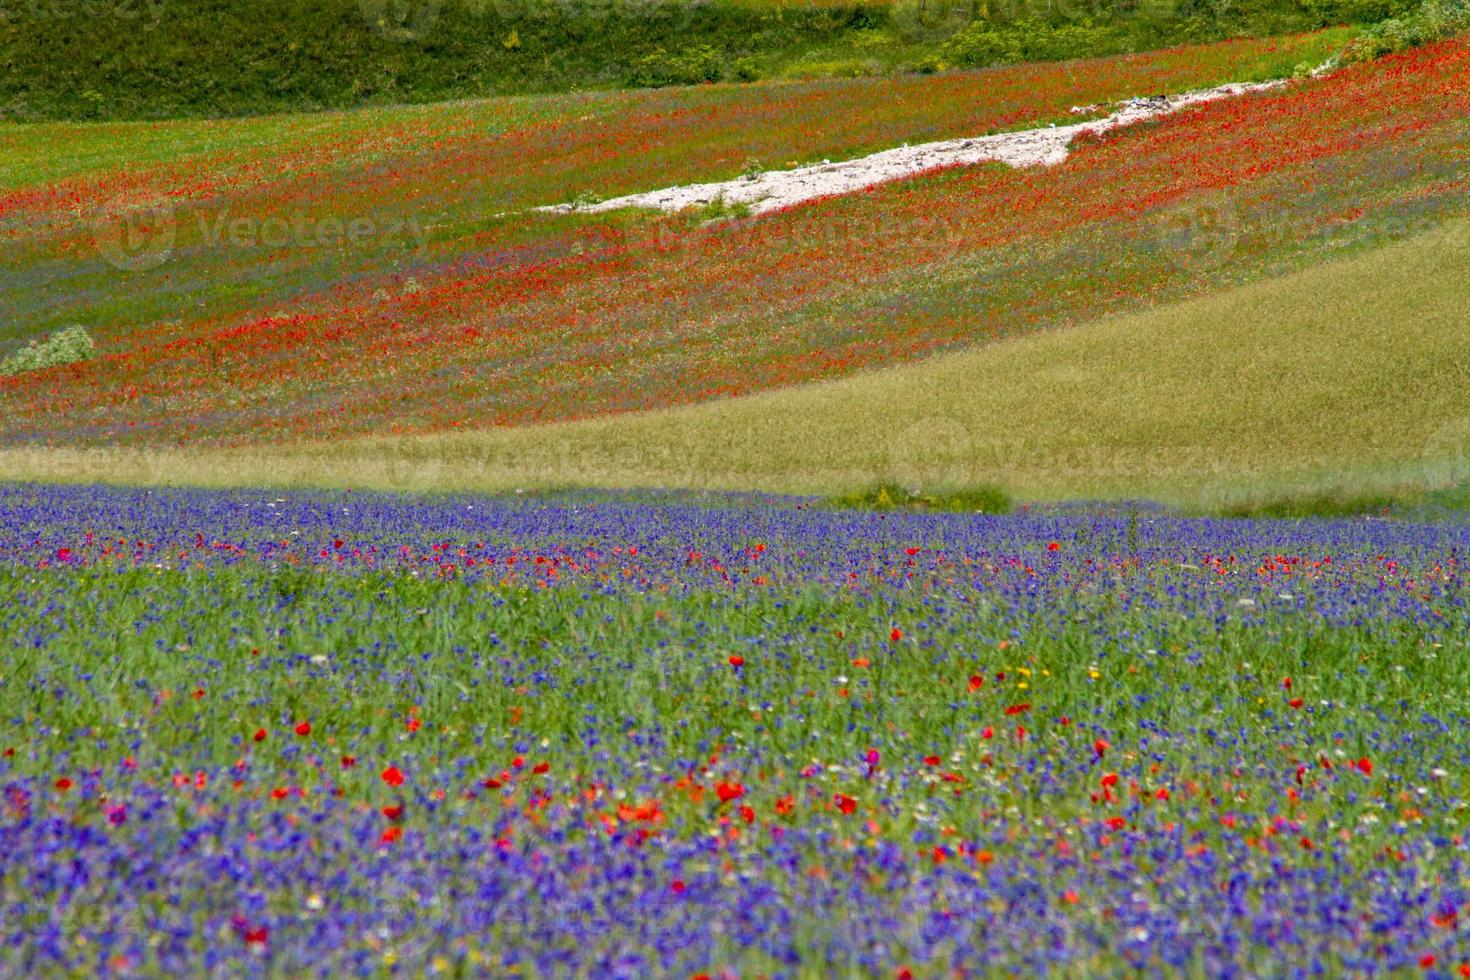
(249, 285)
(1289, 385)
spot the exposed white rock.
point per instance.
(1044, 146)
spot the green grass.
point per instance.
(1321, 505)
(133, 633)
(894, 496)
(1288, 388)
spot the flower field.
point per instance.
(247, 281)
(288, 734)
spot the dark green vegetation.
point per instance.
(1322, 505)
(894, 496)
(137, 59)
(1403, 503)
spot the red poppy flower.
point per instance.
(737, 661)
(392, 776)
(541, 768)
(845, 803)
(390, 835)
(931, 760)
(896, 635)
(348, 761)
(747, 813)
(729, 791)
(987, 732)
(394, 813)
(303, 728)
(1365, 765)
(259, 735)
(677, 887)
(1100, 747)
(1017, 709)
(63, 784)
(1110, 779)
(976, 682)
(1053, 546)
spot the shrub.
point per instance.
(746, 70)
(1431, 21)
(719, 209)
(63, 347)
(690, 66)
(982, 44)
(983, 499)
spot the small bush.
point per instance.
(720, 210)
(746, 70)
(983, 44)
(890, 496)
(691, 66)
(63, 347)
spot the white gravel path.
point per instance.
(775, 189)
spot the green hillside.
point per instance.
(147, 59)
